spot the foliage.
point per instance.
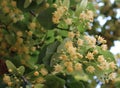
(109, 11)
(44, 44)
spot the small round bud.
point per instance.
(36, 73)
(10, 70)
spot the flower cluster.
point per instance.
(87, 15)
(18, 41)
(10, 8)
(33, 54)
(82, 54)
(57, 15)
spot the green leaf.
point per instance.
(38, 86)
(63, 25)
(53, 81)
(10, 38)
(50, 37)
(80, 7)
(76, 84)
(63, 33)
(33, 60)
(39, 1)
(66, 3)
(21, 70)
(90, 6)
(11, 66)
(28, 86)
(27, 3)
(107, 54)
(45, 18)
(51, 49)
(73, 83)
(80, 28)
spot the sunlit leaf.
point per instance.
(11, 66)
(66, 3)
(21, 70)
(81, 6)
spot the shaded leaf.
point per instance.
(39, 1)
(45, 18)
(53, 81)
(51, 49)
(27, 3)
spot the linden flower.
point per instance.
(29, 33)
(20, 40)
(91, 40)
(33, 48)
(6, 79)
(90, 15)
(104, 65)
(55, 5)
(73, 56)
(104, 47)
(32, 25)
(95, 52)
(10, 83)
(72, 51)
(68, 44)
(44, 71)
(70, 64)
(100, 58)
(79, 55)
(4, 3)
(21, 17)
(58, 68)
(69, 68)
(19, 33)
(71, 35)
(87, 15)
(13, 3)
(90, 69)
(112, 76)
(112, 65)
(11, 14)
(83, 15)
(63, 57)
(6, 9)
(90, 56)
(68, 21)
(78, 66)
(15, 19)
(77, 34)
(36, 73)
(80, 42)
(101, 40)
(40, 80)
(58, 14)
